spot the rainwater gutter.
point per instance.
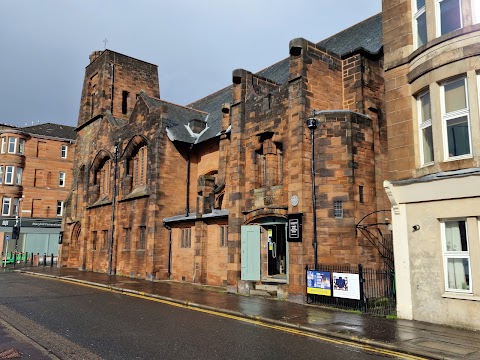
(111, 266)
(113, 87)
(169, 228)
(187, 205)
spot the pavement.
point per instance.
(425, 340)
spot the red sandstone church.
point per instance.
(206, 192)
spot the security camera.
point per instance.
(416, 227)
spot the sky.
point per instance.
(45, 45)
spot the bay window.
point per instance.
(456, 122)
(456, 258)
(4, 145)
(425, 126)
(1, 174)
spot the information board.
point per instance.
(346, 285)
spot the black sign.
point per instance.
(29, 222)
(295, 227)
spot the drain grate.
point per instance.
(10, 354)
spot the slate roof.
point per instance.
(212, 104)
(51, 130)
(366, 36)
(192, 216)
(177, 118)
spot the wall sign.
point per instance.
(35, 223)
(295, 227)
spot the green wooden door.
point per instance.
(250, 252)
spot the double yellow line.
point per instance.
(285, 329)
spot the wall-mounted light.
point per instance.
(416, 228)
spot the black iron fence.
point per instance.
(370, 291)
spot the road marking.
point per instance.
(185, 305)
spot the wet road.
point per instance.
(78, 322)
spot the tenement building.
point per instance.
(432, 64)
(203, 193)
(35, 180)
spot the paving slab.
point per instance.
(15, 345)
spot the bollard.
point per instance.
(44, 259)
(31, 260)
(51, 261)
(14, 258)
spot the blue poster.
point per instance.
(319, 283)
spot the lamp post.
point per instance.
(17, 228)
(312, 125)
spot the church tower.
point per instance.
(112, 83)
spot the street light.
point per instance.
(16, 228)
(312, 125)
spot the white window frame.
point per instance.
(21, 146)
(59, 206)
(4, 145)
(6, 202)
(12, 145)
(18, 176)
(452, 116)
(438, 16)
(63, 153)
(9, 171)
(422, 125)
(417, 14)
(455, 255)
(61, 179)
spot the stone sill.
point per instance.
(137, 193)
(100, 203)
(461, 296)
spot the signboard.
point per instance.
(35, 223)
(346, 285)
(319, 283)
(295, 227)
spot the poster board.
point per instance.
(319, 283)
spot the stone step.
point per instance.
(266, 287)
(263, 293)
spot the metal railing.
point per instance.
(25, 258)
(374, 294)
